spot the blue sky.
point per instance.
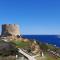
(33, 16)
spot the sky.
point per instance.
(33, 16)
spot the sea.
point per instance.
(50, 39)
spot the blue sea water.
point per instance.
(51, 39)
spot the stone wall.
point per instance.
(10, 29)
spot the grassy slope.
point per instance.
(50, 57)
(24, 44)
(21, 44)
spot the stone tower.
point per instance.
(10, 29)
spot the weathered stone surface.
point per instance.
(10, 29)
